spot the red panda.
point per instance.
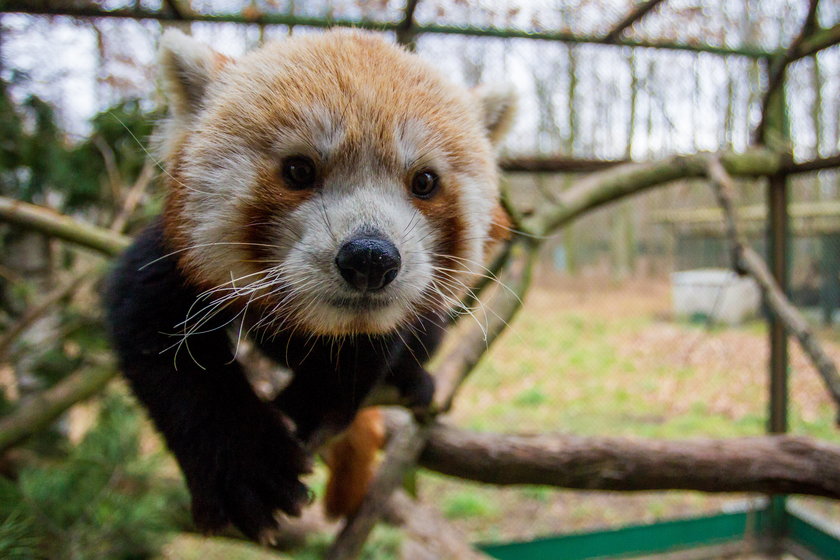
(328, 196)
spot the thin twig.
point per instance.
(42, 307)
(638, 13)
(135, 194)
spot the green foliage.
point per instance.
(17, 536)
(36, 156)
(468, 504)
(100, 502)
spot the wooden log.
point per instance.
(766, 464)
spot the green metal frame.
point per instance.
(673, 537)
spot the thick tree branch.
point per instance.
(597, 189)
(750, 262)
(818, 40)
(41, 410)
(817, 164)
(557, 164)
(766, 464)
(63, 227)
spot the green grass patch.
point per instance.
(468, 504)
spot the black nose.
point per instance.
(368, 263)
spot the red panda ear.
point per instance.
(498, 107)
(188, 66)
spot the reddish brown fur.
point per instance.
(352, 462)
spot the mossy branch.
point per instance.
(603, 187)
(52, 223)
(39, 411)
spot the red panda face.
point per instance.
(334, 184)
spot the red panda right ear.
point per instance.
(188, 66)
(498, 107)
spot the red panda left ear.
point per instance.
(498, 107)
(188, 66)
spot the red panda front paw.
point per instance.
(420, 392)
(250, 482)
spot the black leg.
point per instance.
(406, 370)
(331, 380)
(238, 455)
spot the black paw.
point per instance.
(419, 394)
(250, 478)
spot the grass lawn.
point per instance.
(609, 360)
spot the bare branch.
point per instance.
(634, 16)
(42, 307)
(564, 164)
(818, 40)
(274, 18)
(817, 164)
(766, 464)
(597, 189)
(406, 31)
(39, 411)
(557, 164)
(52, 223)
(401, 453)
(778, 66)
(779, 304)
(135, 194)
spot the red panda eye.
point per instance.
(424, 184)
(299, 172)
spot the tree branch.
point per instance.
(41, 410)
(778, 67)
(88, 10)
(634, 16)
(40, 309)
(52, 223)
(781, 307)
(557, 164)
(597, 189)
(766, 464)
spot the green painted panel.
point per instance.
(634, 540)
(816, 540)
